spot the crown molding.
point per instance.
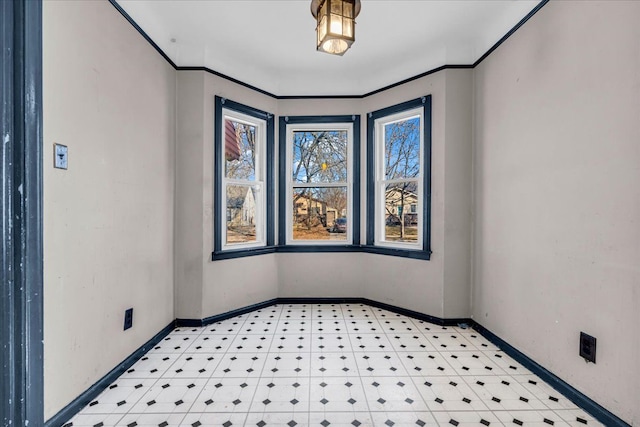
(365, 95)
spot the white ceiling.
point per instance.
(271, 44)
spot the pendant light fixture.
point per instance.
(336, 24)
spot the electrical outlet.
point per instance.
(588, 347)
(128, 318)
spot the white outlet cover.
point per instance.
(60, 156)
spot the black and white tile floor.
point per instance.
(328, 365)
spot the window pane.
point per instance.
(241, 213)
(401, 216)
(239, 149)
(402, 149)
(320, 213)
(319, 156)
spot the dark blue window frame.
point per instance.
(218, 253)
(425, 252)
(282, 197)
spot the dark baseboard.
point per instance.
(382, 305)
(92, 392)
(417, 315)
(224, 316)
(321, 300)
(597, 411)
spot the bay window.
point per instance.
(398, 184)
(319, 205)
(244, 170)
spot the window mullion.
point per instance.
(242, 182)
(319, 184)
(400, 180)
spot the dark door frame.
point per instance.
(21, 265)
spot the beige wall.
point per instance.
(458, 194)
(557, 200)
(409, 283)
(108, 229)
(230, 284)
(321, 274)
(551, 173)
(440, 286)
(220, 286)
(189, 225)
(204, 287)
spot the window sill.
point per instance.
(241, 253)
(318, 248)
(404, 253)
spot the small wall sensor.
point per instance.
(60, 156)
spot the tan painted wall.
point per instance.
(408, 283)
(230, 284)
(108, 219)
(553, 114)
(436, 286)
(458, 194)
(236, 283)
(189, 227)
(321, 274)
(557, 201)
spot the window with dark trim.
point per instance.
(399, 179)
(243, 191)
(319, 186)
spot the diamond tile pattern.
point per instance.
(328, 365)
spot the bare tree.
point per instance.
(319, 157)
(402, 160)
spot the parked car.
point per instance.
(392, 220)
(339, 226)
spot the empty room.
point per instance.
(320, 213)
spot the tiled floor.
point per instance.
(328, 365)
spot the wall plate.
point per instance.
(588, 347)
(128, 318)
(60, 156)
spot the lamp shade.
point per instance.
(336, 25)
